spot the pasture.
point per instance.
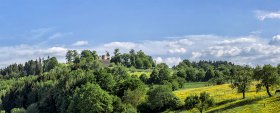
(229, 101)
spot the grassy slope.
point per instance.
(194, 85)
(139, 72)
(229, 101)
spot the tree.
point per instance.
(132, 57)
(50, 64)
(71, 55)
(209, 74)
(203, 102)
(161, 98)
(164, 74)
(90, 98)
(86, 54)
(242, 80)
(191, 74)
(117, 56)
(106, 81)
(154, 78)
(268, 77)
(48, 105)
(144, 78)
(135, 97)
(139, 63)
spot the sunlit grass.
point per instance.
(229, 101)
(194, 85)
(139, 73)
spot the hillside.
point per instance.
(229, 101)
(134, 83)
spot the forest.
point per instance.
(132, 83)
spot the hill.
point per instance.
(229, 101)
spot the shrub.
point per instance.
(191, 101)
(161, 98)
(203, 102)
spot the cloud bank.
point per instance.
(262, 15)
(251, 49)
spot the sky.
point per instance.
(239, 31)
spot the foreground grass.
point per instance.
(229, 101)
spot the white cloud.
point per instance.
(252, 50)
(80, 43)
(240, 40)
(262, 15)
(56, 51)
(23, 53)
(249, 49)
(195, 55)
(121, 45)
(59, 35)
(170, 61)
(177, 50)
(275, 40)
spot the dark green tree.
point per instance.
(90, 98)
(161, 98)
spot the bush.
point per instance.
(203, 102)
(191, 102)
(161, 98)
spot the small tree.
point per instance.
(268, 77)
(203, 102)
(242, 80)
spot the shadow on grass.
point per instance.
(238, 104)
(278, 99)
(225, 102)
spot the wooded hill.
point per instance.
(85, 85)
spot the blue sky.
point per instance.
(37, 28)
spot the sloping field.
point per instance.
(229, 101)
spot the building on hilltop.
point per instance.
(105, 59)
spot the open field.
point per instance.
(195, 85)
(139, 72)
(229, 101)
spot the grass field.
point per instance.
(195, 85)
(139, 72)
(229, 101)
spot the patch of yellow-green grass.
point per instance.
(189, 85)
(229, 101)
(139, 73)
